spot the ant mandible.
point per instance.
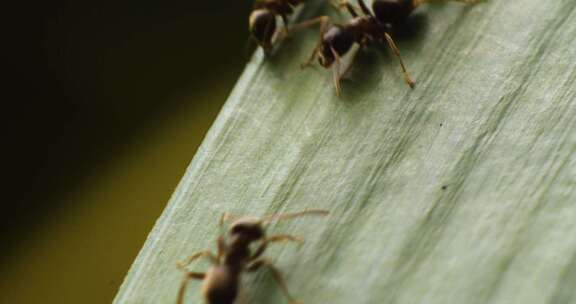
(337, 39)
(234, 257)
(262, 20)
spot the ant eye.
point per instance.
(238, 229)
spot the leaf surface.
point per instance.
(459, 191)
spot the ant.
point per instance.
(262, 21)
(221, 282)
(337, 39)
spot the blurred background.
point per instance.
(104, 107)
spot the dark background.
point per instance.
(104, 105)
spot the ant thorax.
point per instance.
(364, 26)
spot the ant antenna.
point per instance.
(291, 215)
(227, 217)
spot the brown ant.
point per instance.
(337, 39)
(262, 21)
(222, 280)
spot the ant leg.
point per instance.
(364, 8)
(284, 19)
(182, 264)
(323, 20)
(275, 238)
(418, 2)
(338, 4)
(257, 264)
(223, 219)
(221, 245)
(468, 1)
(268, 46)
(283, 32)
(336, 72)
(284, 237)
(345, 4)
(349, 67)
(189, 276)
(394, 48)
(309, 23)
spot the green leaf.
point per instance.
(462, 190)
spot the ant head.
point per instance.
(248, 228)
(262, 25)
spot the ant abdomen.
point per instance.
(263, 26)
(392, 12)
(336, 39)
(223, 286)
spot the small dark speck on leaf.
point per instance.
(444, 187)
